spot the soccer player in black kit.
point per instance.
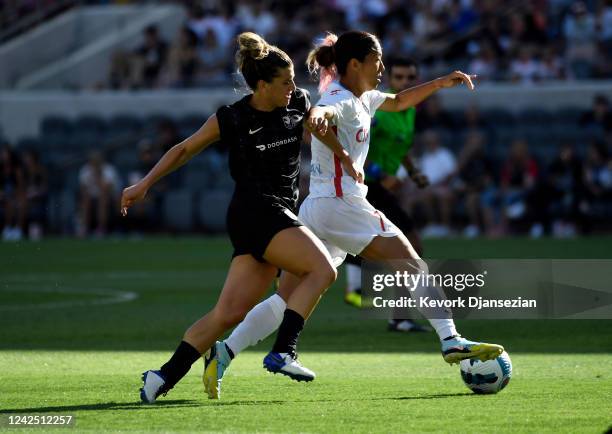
(263, 132)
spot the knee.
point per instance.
(418, 266)
(328, 273)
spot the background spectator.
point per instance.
(12, 194)
(597, 180)
(151, 57)
(99, 188)
(438, 165)
(556, 199)
(36, 185)
(475, 183)
(518, 176)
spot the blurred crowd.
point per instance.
(476, 188)
(524, 41)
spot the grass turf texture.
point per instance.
(86, 359)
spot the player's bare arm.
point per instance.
(330, 140)
(414, 95)
(173, 159)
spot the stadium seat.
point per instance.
(197, 177)
(535, 117)
(30, 143)
(499, 118)
(212, 209)
(125, 159)
(89, 131)
(123, 126)
(593, 132)
(568, 116)
(189, 124)
(178, 210)
(151, 122)
(56, 131)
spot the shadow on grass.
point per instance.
(132, 405)
(184, 403)
(382, 398)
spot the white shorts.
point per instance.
(345, 224)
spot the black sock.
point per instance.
(288, 332)
(179, 364)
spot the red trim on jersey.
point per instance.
(338, 177)
(382, 222)
(338, 169)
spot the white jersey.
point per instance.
(351, 121)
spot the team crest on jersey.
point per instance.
(292, 119)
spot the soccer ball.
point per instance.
(490, 376)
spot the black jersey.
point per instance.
(264, 148)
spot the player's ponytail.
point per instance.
(321, 61)
(258, 60)
(330, 58)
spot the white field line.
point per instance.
(105, 296)
(111, 275)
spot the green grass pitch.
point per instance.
(80, 321)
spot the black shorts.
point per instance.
(252, 223)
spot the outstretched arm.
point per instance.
(414, 95)
(173, 159)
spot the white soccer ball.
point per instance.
(490, 376)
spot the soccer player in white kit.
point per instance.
(336, 209)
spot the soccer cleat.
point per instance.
(286, 364)
(458, 348)
(353, 298)
(406, 326)
(154, 384)
(216, 361)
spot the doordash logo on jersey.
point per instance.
(362, 135)
(275, 144)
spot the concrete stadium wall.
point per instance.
(21, 113)
(83, 41)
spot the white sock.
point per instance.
(259, 323)
(353, 277)
(443, 323)
(444, 327)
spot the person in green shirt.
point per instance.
(389, 163)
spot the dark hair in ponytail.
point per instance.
(257, 60)
(331, 57)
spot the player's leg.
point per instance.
(246, 282)
(263, 319)
(394, 212)
(299, 252)
(401, 255)
(381, 199)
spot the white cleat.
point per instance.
(154, 385)
(284, 363)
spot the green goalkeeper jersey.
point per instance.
(391, 138)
